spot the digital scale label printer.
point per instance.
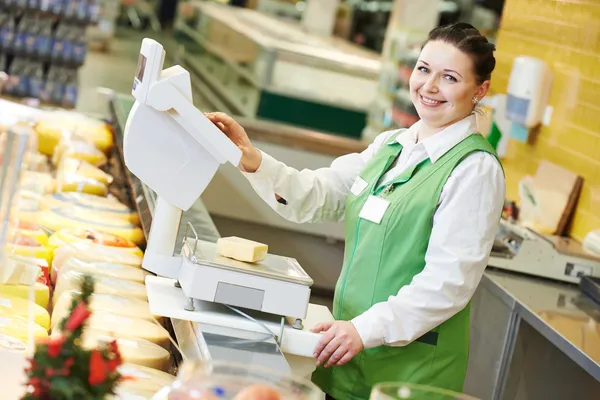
(175, 150)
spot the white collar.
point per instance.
(440, 143)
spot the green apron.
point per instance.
(382, 258)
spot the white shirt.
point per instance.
(464, 227)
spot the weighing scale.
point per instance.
(175, 150)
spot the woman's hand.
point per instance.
(339, 344)
(251, 156)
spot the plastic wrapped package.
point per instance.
(68, 182)
(32, 230)
(126, 327)
(54, 126)
(71, 280)
(108, 206)
(73, 166)
(200, 380)
(20, 307)
(80, 150)
(18, 327)
(42, 264)
(10, 343)
(41, 292)
(111, 270)
(133, 350)
(27, 246)
(75, 217)
(94, 238)
(143, 378)
(118, 305)
(91, 252)
(37, 182)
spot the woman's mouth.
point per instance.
(430, 102)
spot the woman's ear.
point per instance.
(482, 90)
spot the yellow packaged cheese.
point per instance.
(18, 327)
(53, 128)
(75, 217)
(71, 280)
(28, 247)
(80, 150)
(10, 343)
(67, 182)
(109, 206)
(144, 378)
(118, 305)
(20, 307)
(32, 230)
(41, 292)
(82, 168)
(111, 270)
(133, 350)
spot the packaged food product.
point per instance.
(56, 126)
(67, 182)
(20, 307)
(118, 305)
(242, 249)
(73, 166)
(99, 239)
(80, 150)
(133, 350)
(111, 270)
(37, 182)
(18, 327)
(32, 230)
(120, 326)
(89, 202)
(41, 264)
(27, 246)
(75, 217)
(93, 253)
(71, 280)
(41, 292)
(144, 378)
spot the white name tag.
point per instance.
(359, 185)
(374, 209)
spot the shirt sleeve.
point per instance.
(311, 195)
(465, 224)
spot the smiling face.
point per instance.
(443, 85)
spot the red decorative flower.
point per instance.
(115, 360)
(55, 345)
(79, 315)
(98, 368)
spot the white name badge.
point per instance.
(359, 185)
(374, 209)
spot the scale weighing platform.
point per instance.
(175, 150)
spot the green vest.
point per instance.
(382, 258)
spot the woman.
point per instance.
(421, 208)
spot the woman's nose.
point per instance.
(431, 85)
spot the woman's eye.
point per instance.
(423, 69)
(450, 78)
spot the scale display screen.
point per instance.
(141, 66)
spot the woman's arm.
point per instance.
(310, 196)
(464, 228)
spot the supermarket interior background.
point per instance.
(309, 80)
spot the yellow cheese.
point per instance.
(75, 217)
(120, 326)
(133, 350)
(20, 307)
(118, 305)
(41, 292)
(71, 280)
(10, 343)
(51, 129)
(31, 230)
(18, 327)
(132, 394)
(242, 249)
(80, 150)
(92, 253)
(143, 378)
(111, 270)
(67, 182)
(95, 238)
(37, 182)
(88, 202)
(82, 168)
(28, 247)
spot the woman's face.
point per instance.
(443, 85)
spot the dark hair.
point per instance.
(469, 40)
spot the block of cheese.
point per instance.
(95, 238)
(80, 150)
(89, 202)
(242, 249)
(120, 326)
(18, 327)
(51, 128)
(92, 253)
(111, 270)
(133, 350)
(32, 230)
(41, 292)
(144, 378)
(69, 182)
(118, 305)
(71, 280)
(10, 343)
(29, 264)
(28, 247)
(20, 307)
(37, 182)
(82, 168)
(133, 394)
(74, 217)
